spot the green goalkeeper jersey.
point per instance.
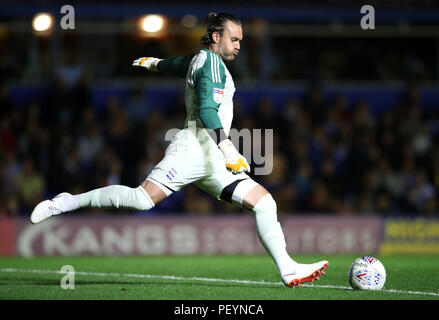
(209, 88)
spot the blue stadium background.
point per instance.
(355, 112)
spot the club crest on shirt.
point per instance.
(218, 95)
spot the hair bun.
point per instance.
(211, 16)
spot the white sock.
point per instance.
(115, 196)
(271, 235)
(67, 202)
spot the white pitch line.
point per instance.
(152, 276)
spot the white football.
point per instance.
(367, 273)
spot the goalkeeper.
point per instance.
(201, 153)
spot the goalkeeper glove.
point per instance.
(148, 63)
(235, 162)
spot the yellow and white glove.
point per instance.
(149, 63)
(235, 162)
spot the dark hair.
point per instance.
(216, 23)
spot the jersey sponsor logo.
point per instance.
(171, 174)
(218, 95)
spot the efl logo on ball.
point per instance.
(367, 273)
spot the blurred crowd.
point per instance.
(328, 157)
(335, 158)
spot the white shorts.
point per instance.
(193, 157)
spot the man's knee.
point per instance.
(265, 204)
(155, 193)
(140, 199)
(246, 193)
(256, 195)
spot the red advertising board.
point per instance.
(332, 234)
(187, 235)
(129, 235)
(7, 236)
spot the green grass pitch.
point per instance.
(206, 278)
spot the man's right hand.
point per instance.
(149, 63)
(235, 162)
